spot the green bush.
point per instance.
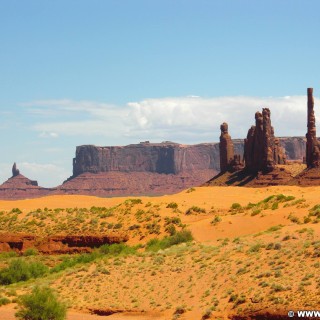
(19, 270)
(195, 209)
(69, 262)
(178, 237)
(31, 252)
(172, 205)
(4, 301)
(235, 206)
(116, 249)
(41, 304)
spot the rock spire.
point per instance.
(312, 147)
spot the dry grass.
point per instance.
(259, 255)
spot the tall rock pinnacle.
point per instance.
(262, 150)
(312, 147)
(226, 148)
(15, 171)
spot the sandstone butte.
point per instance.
(264, 159)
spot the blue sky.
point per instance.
(119, 72)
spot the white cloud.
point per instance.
(183, 119)
(47, 174)
(45, 134)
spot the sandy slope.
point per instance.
(231, 257)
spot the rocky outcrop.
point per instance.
(57, 244)
(228, 160)
(262, 151)
(20, 187)
(312, 147)
(225, 148)
(15, 171)
(133, 183)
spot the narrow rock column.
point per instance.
(312, 147)
(268, 162)
(226, 148)
(15, 171)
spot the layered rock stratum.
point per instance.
(139, 169)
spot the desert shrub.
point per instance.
(315, 211)
(133, 201)
(171, 229)
(10, 254)
(275, 206)
(15, 210)
(270, 246)
(255, 212)
(19, 270)
(216, 220)
(293, 218)
(277, 246)
(179, 237)
(274, 228)
(41, 304)
(191, 190)
(69, 262)
(31, 252)
(255, 248)
(174, 220)
(235, 206)
(4, 301)
(195, 209)
(172, 205)
(116, 249)
(268, 199)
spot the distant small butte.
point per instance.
(148, 168)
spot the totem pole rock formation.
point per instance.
(15, 171)
(226, 148)
(262, 150)
(312, 147)
(228, 160)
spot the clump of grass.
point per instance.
(172, 205)
(133, 201)
(216, 220)
(68, 262)
(4, 301)
(191, 190)
(179, 237)
(195, 209)
(116, 249)
(255, 248)
(293, 218)
(31, 252)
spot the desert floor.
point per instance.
(251, 253)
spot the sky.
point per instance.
(116, 72)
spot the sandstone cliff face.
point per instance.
(167, 158)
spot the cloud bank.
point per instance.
(182, 119)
